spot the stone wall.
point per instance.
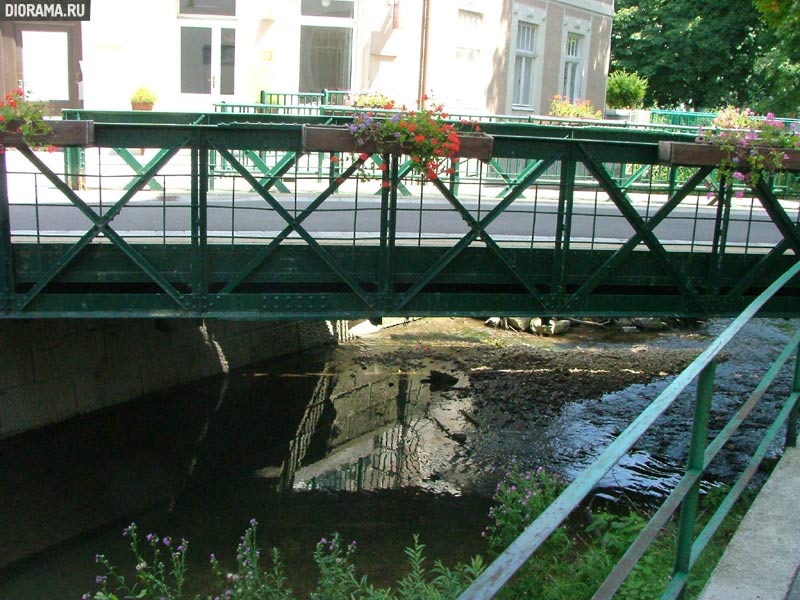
(52, 370)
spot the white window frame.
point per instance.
(535, 18)
(215, 25)
(529, 57)
(573, 84)
(335, 22)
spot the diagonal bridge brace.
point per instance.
(628, 247)
(478, 229)
(787, 228)
(100, 224)
(645, 233)
(293, 224)
(776, 212)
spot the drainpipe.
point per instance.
(423, 53)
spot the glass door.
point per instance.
(46, 64)
(208, 59)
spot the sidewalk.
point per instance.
(761, 562)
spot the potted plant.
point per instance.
(741, 145)
(625, 97)
(22, 118)
(143, 99)
(425, 135)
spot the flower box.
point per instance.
(338, 139)
(699, 155)
(65, 133)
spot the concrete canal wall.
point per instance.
(52, 370)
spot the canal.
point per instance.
(404, 431)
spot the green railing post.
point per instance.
(791, 423)
(6, 249)
(199, 224)
(74, 158)
(564, 223)
(720, 240)
(697, 449)
(388, 228)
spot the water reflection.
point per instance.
(289, 442)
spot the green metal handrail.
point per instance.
(686, 492)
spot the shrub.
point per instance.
(370, 100)
(625, 90)
(144, 95)
(561, 106)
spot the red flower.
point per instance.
(334, 158)
(387, 184)
(363, 156)
(419, 138)
(384, 166)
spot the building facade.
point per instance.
(480, 56)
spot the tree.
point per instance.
(692, 52)
(779, 67)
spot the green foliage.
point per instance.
(154, 578)
(692, 52)
(779, 65)
(570, 565)
(250, 580)
(576, 558)
(424, 134)
(25, 115)
(625, 90)
(562, 106)
(144, 95)
(338, 578)
(750, 146)
(370, 100)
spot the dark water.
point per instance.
(323, 442)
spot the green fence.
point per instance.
(684, 495)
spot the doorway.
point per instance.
(44, 60)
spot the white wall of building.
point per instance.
(471, 51)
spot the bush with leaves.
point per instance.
(625, 90)
(563, 107)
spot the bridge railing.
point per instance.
(149, 224)
(700, 376)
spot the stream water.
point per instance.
(406, 431)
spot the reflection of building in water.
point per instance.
(357, 433)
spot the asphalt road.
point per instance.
(343, 218)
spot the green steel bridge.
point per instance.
(245, 215)
(241, 214)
